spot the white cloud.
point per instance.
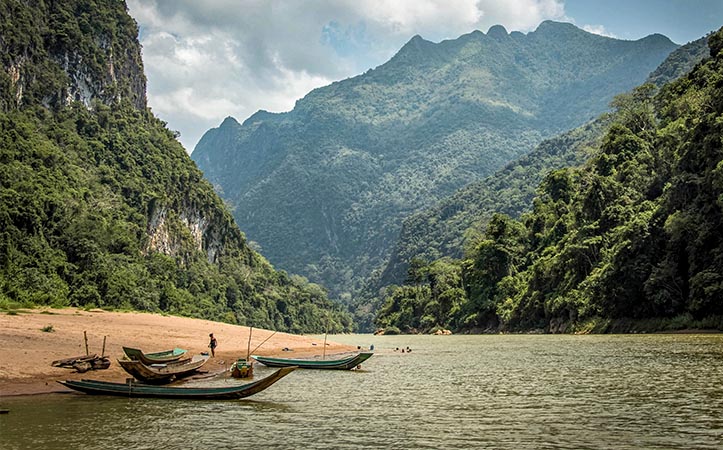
(598, 29)
(206, 60)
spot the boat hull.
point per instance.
(154, 358)
(134, 389)
(336, 364)
(162, 373)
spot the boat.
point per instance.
(135, 389)
(348, 363)
(242, 368)
(154, 358)
(162, 373)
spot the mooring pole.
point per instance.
(248, 347)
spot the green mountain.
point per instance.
(323, 189)
(630, 240)
(442, 229)
(100, 206)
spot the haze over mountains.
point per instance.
(323, 189)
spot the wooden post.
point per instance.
(85, 336)
(325, 332)
(102, 353)
(248, 348)
(324, 354)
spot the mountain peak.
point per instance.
(552, 28)
(258, 116)
(412, 50)
(497, 32)
(328, 181)
(229, 122)
(657, 38)
(417, 42)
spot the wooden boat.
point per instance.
(154, 358)
(242, 368)
(333, 364)
(162, 373)
(83, 363)
(134, 389)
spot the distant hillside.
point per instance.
(628, 241)
(323, 189)
(442, 229)
(99, 204)
(680, 62)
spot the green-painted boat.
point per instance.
(162, 373)
(154, 358)
(348, 363)
(134, 389)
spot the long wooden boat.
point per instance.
(348, 363)
(162, 373)
(154, 358)
(134, 389)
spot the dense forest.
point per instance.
(630, 240)
(458, 221)
(323, 189)
(100, 206)
(443, 229)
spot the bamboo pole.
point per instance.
(325, 332)
(102, 353)
(324, 354)
(257, 347)
(85, 337)
(248, 347)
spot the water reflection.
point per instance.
(656, 391)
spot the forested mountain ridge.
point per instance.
(323, 188)
(100, 206)
(628, 241)
(442, 229)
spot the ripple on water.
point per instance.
(520, 392)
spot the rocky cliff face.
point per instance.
(100, 205)
(174, 231)
(54, 53)
(88, 53)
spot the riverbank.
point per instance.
(30, 340)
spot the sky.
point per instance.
(206, 60)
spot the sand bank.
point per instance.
(26, 351)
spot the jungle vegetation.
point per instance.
(323, 189)
(630, 240)
(100, 206)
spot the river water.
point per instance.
(456, 392)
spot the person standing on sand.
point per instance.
(213, 344)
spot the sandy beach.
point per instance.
(26, 351)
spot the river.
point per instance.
(456, 392)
